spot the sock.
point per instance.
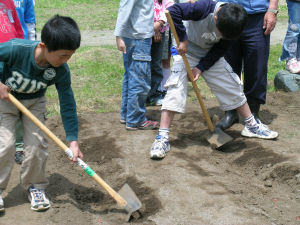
(250, 121)
(166, 74)
(163, 133)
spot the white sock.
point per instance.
(164, 133)
(166, 74)
(250, 121)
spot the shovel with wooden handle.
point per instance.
(126, 198)
(217, 137)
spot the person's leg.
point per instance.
(139, 79)
(227, 87)
(234, 57)
(256, 46)
(166, 60)
(156, 71)
(36, 146)
(290, 49)
(33, 177)
(253, 126)
(126, 62)
(174, 102)
(8, 120)
(19, 156)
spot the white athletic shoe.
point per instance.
(259, 131)
(2, 209)
(159, 148)
(38, 199)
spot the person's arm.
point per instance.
(123, 16)
(6, 49)
(165, 5)
(29, 18)
(189, 11)
(69, 114)
(214, 54)
(270, 17)
(3, 88)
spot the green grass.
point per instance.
(274, 66)
(96, 80)
(97, 71)
(283, 12)
(89, 14)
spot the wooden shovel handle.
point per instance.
(190, 74)
(64, 147)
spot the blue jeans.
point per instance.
(136, 80)
(156, 68)
(291, 43)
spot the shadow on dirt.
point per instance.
(15, 197)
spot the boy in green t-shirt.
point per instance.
(29, 68)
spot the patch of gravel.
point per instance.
(107, 37)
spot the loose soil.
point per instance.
(247, 181)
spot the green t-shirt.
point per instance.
(27, 80)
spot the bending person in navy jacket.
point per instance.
(206, 35)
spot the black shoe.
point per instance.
(231, 117)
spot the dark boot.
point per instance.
(231, 117)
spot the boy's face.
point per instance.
(58, 57)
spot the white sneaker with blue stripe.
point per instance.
(259, 131)
(159, 148)
(38, 199)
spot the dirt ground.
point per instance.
(247, 181)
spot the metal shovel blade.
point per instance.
(219, 138)
(133, 203)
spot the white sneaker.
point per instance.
(293, 66)
(259, 131)
(38, 199)
(159, 148)
(2, 209)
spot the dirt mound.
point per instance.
(247, 181)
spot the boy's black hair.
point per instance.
(231, 20)
(61, 33)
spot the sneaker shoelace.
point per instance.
(261, 129)
(161, 143)
(37, 195)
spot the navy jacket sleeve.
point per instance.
(189, 11)
(214, 54)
